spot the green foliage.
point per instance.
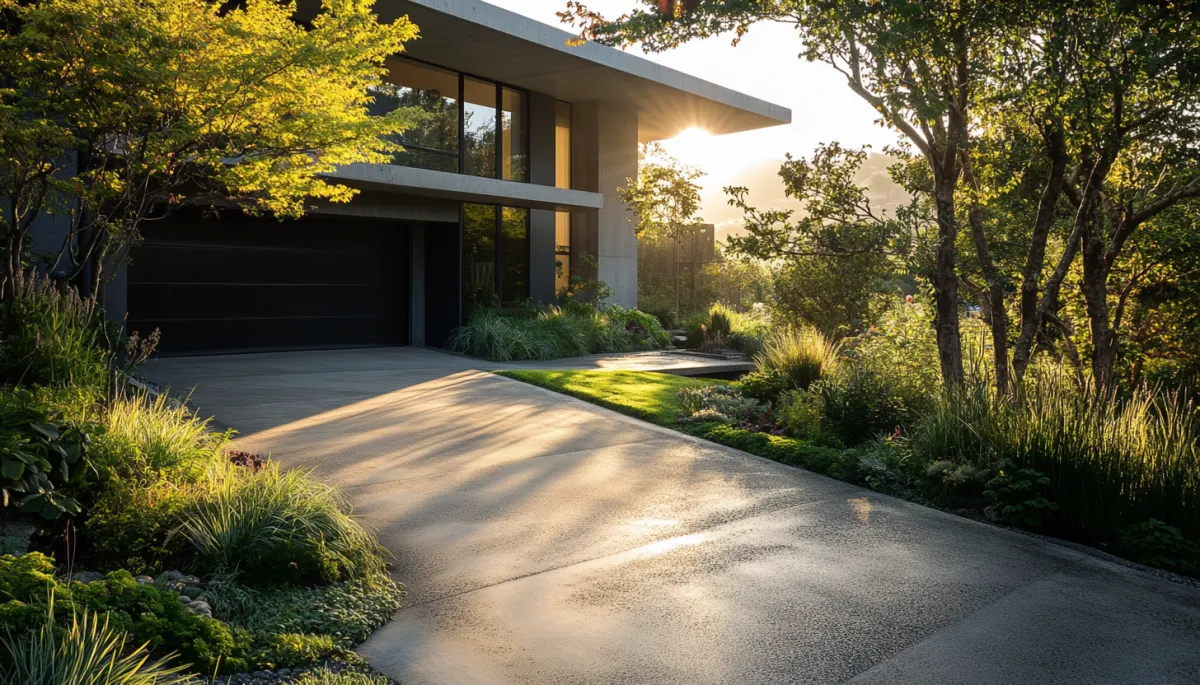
(154, 438)
(1111, 461)
(278, 526)
(41, 455)
(724, 403)
(765, 386)
(175, 89)
(348, 612)
(130, 526)
(1154, 543)
(861, 402)
(50, 336)
(1019, 496)
(782, 449)
(325, 676)
(89, 651)
(550, 332)
(803, 355)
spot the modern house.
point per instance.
(508, 187)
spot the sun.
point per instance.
(689, 136)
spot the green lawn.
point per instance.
(644, 394)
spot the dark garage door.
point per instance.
(235, 283)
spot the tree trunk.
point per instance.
(945, 285)
(676, 274)
(1095, 296)
(997, 315)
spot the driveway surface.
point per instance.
(545, 540)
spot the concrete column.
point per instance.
(541, 221)
(617, 241)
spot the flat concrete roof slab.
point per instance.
(485, 40)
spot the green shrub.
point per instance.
(348, 612)
(130, 526)
(50, 336)
(24, 581)
(860, 402)
(148, 439)
(803, 355)
(765, 386)
(42, 454)
(550, 332)
(89, 652)
(782, 449)
(1019, 496)
(1154, 543)
(722, 403)
(279, 527)
(325, 676)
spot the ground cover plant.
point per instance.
(554, 332)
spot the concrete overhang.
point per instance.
(487, 41)
(463, 188)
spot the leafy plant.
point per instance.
(40, 455)
(1019, 496)
(89, 652)
(50, 336)
(713, 401)
(860, 402)
(154, 438)
(803, 355)
(279, 527)
(1154, 543)
(130, 524)
(325, 676)
(551, 332)
(765, 386)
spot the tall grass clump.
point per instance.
(550, 332)
(278, 526)
(149, 438)
(51, 336)
(87, 652)
(1112, 462)
(804, 355)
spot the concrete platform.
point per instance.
(545, 540)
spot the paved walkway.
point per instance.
(544, 540)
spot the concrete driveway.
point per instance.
(544, 540)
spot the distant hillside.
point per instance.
(766, 192)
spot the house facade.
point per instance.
(507, 188)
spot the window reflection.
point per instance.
(515, 242)
(479, 255)
(562, 179)
(479, 127)
(513, 163)
(432, 143)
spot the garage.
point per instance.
(227, 282)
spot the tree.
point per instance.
(664, 198)
(116, 113)
(916, 62)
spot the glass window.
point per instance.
(479, 255)
(562, 249)
(515, 241)
(562, 145)
(433, 143)
(479, 127)
(514, 139)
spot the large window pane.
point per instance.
(432, 144)
(514, 165)
(479, 127)
(562, 250)
(515, 279)
(562, 145)
(479, 255)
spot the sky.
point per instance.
(765, 64)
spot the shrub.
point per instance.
(782, 449)
(803, 355)
(280, 527)
(325, 676)
(148, 439)
(550, 332)
(89, 652)
(860, 402)
(130, 525)
(42, 454)
(765, 386)
(349, 611)
(1154, 543)
(717, 401)
(51, 336)
(725, 326)
(1019, 496)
